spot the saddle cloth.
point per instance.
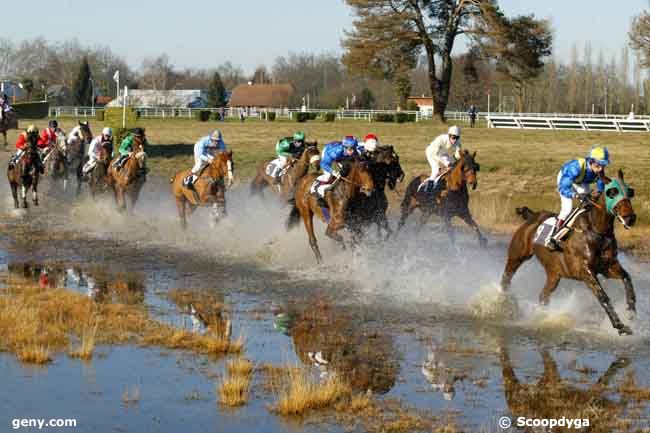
(546, 228)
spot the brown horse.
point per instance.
(589, 250)
(129, 180)
(56, 165)
(355, 178)
(8, 121)
(98, 180)
(76, 151)
(294, 170)
(208, 190)
(24, 173)
(452, 199)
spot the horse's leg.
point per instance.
(308, 219)
(450, 229)
(406, 210)
(592, 282)
(23, 195)
(424, 217)
(617, 271)
(14, 193)
(180, 205)
(467, 217)
(35, 192)
(4, 134)
(552, 280)
(133, 198)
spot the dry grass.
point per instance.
(233, 391)
(301, 393)
(34, 355)
(33, 318)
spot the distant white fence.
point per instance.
(580, 123)
(183, 112)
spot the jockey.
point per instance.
(369, 144)
(443, 150)
(574, 180)
(333, 152)
(49, 135)
(204, 151)
(95, 148)
(76, 136)
(287, 147)
(21, 145)
(126, 147)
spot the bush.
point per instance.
(329, 117)
(401, 117)
(99, 115)
(215, 115)
(301, 117)
(412, 106)
(313, 116)
(113, 118)
(32, 110)
(202, 115)
(271, 116)
(384, 117)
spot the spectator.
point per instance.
(472, 115)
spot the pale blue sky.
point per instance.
(197, 33)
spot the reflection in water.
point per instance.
(551, 397)
(99, 285)
(438, 371)
(206, 310)
(330, 340)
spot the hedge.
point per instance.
(271, 116)
(113, 118)
(32, 110)
(384, 117)
(99, 115)
(301, 117)
(202, 115)
(329, 117)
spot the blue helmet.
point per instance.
(350, 141)
(600, 155)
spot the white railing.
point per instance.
(610, 123)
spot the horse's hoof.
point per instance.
(624, 330)
(630, 315)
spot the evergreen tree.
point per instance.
(81, 89)
(216, 92)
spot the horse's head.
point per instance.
(617, 197)
(311, 154)
(465, 170)
(222, 166)
(359, 174)
(86, 134)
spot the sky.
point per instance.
(201, 34)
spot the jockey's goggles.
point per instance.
(454, 137)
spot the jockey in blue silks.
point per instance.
(332, 153)
(574, 180)
(204, 151)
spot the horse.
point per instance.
(294, 170)
(208, 190)
(56, 165)
(24, 173)
(452, 199)
(355, 177)
(8, 121)
(129, 180)
(589, 250)
(98, 180)
(76, 152)
(385, 169)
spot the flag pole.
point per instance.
(126, 94)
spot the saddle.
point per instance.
(546, 228)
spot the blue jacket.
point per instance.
(203, 152)
(570, 174)
(332, 152)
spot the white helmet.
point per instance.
(454, 130)
(107, 132)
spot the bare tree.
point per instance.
(640, 37)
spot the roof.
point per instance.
(160, 98)
(421, 100)
(103, 100)
(261, 95)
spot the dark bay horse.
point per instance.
(355, 178)
(98, 180)
(76, 151)
(451, 201)
(128, 181)
(24, 173)
(8, 121)
(363, 210)
(209, 188)
(589, 250)
(56, 162)
(295, 169)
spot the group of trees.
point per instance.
(397, 48)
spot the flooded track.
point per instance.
(415, 319)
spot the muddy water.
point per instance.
(416, 319)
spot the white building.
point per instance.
(163, 98)
(11, 89)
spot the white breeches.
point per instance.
(198, 166)
(566, 204)
(435, 163)
(325, 177)
(280, 162)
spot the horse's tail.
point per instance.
(294, 218)
(527, 214)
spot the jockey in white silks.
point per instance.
(443, 151)
(95, 148)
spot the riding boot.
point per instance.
(314, 187)
(189, 181)
(552, 243)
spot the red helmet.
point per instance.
(370, 137)
(370, 142)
